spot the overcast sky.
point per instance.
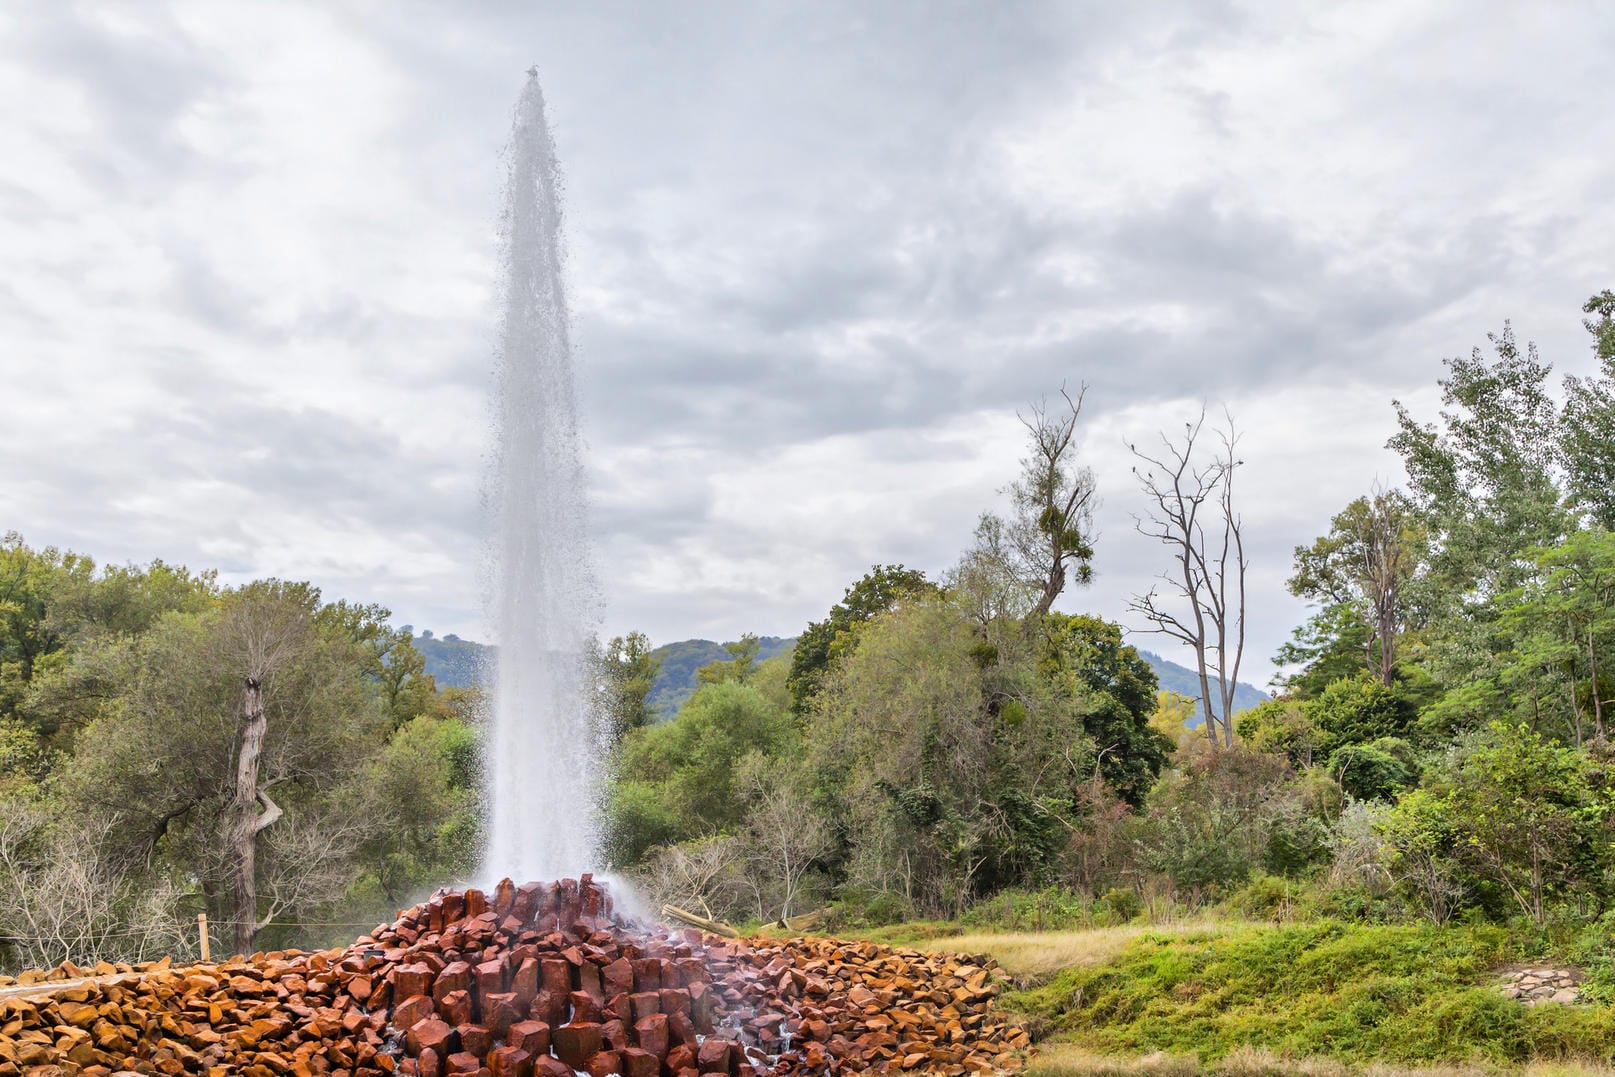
(818, 256)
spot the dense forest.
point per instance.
(1439, 747)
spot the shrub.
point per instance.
(1266, 897)
(1052, 908)
(1123, 904)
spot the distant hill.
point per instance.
(458, 662)
(675, 681)
(1186, 682)
(455, 662)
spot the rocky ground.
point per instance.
(541, 980)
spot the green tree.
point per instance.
(1549, 648)
(419, 797)
(628, 673)
(677, 780)
(29, 580)
(949, 762)
(1588, 421)
(882, 588)
(407, 690)
(1114, 690)
(1283, 726)
(1328, 645)
(1357, 711)
(738, 668)
(1485, 481)
(228, 753)
(1366, 565)
(1375, 770)
(1049, 529)
(1517, 810)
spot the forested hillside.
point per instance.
(454, 662)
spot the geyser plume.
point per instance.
(540, 756)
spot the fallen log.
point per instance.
(714, 927)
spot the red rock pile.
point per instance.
(539, 980)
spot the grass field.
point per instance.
(1320, 999)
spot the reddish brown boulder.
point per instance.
(645, 1003)
(475, 1039)
(456, 1008)
(490, 978)
(682, 1057)
(504, 897)
(638, 1063)
(412, 1009)
(456, 976)
(430, 1034)
(555, 975)
(412, 980)
(619, 978)
(510, 1062)
(463, 1062)
(603, 1064)
(647, 974)
(524, 981)
(681, 1028)
(652, 1033)
(550, 1008)
(499, 1012)
(585, 1008)
(550, 1066)
(713, 1056)
(575, 1044)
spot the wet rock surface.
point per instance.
(540, 980)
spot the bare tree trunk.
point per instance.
(246, 823)
(1213, 624)
(1598, 700)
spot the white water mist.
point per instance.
(540, 759)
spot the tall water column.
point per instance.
(540, 757)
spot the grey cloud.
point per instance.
(789, 223)
(136, 87)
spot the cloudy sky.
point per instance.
(818, 256)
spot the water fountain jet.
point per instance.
(541, 754)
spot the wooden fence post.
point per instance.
(201, 930)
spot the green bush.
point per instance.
(1052, 908)
(1265, 897)
(860, 910)
(1122, 903)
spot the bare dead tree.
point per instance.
(785, 834)
(63, 899)
(259, 636)
(693, 873)
(1192, 513)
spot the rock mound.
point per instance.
(1536, 986)
(540, 980)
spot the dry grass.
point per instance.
(1039, 955)
(1068, 1060)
